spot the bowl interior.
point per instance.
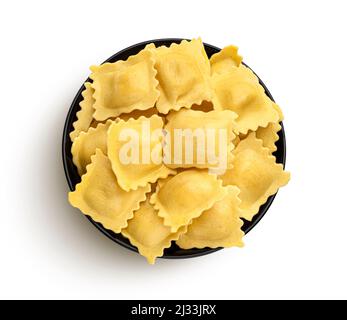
(174, 252)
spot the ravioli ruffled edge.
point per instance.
(208, 94)
(85, 114)
(236, 234)
(162, 211)
(151, 253)
(280, 181)
(101, 112)
(76, 144)
(161, 172)
(89, 211)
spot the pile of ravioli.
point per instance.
(157, 203)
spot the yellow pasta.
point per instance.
(85, 145)
(100, 197)
(135, 114)
(138, 113)
(147, 232)
(269, 135)
(85, 115)
(199, 139)
(172, 146)
(124, 86)
(183, 197)
(225, 59)
(256, 173)
(183, 72)
(238, 90)
(279, 111)
(135, 151)
(219, 226)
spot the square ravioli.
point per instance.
(183, 197)
(256, 173)
(147, 232)
(199, 139)
(85, 115)
(124, 86)
(100, 196)
(217, 227)
(225, 59)
(136, 153)
(239, 90)
(183, 72)
(85, 145)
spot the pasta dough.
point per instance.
(256, 174)
(147, 232)
(173, 146)
(219, 226)
(138, 113)
(269, 135)
(85, 145)
(185, 196)
(224, 60)
(128, 157)
(239, 90)
(199, 139)
(183, 72)
(85, 115)
(99, 195)
(124, 86)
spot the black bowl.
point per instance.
(174, 252)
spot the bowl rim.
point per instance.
(122, 241)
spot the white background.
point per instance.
(49, 250)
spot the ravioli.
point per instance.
(238, 90)
(85, 145)
(135, 114)
(224, 60)
(147, 232)
(219, 226)
(269, 135)
(85, 115)
(256, 173)
(183, 197)
(172, 146)
(124, 86)
(279, 111)
(199, 139)
(183, 72)
(100, 196)
(135, 151)
(138, 113)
